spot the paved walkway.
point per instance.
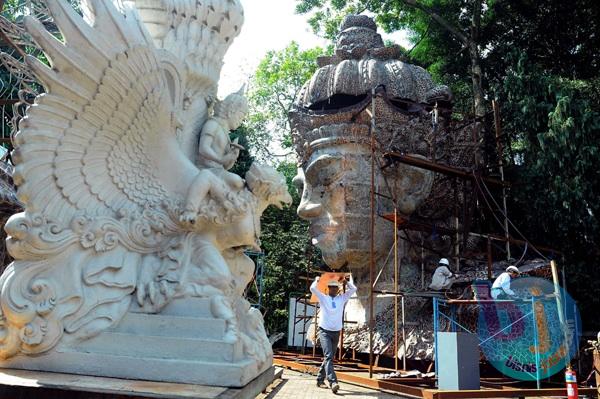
(295, 385)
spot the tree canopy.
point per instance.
(560, 36)
(541, 61)
(273, 90)
(267, 133)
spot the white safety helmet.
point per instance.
(512, 269)
(333, 283)
(444, 262)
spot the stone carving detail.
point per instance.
(332, 136)
(119, 220)
(332, 139)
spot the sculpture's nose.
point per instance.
(308, 209)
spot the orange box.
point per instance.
(324, 280)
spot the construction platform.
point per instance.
(354, 372)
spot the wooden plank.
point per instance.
(72, 382)
(421, 388)
(8, 101)
(24, 384)
(324, 280)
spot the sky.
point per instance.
(269, 25)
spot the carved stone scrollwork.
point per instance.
(119, 220)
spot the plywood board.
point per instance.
(324, 280)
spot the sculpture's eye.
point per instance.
(329, 176)
(298, 182)
(325, 171)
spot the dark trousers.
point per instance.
(329, 342)
(502, 295)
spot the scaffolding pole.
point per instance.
(372, 245)
(396, 289)
(403, 336)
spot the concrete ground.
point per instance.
(295, 385)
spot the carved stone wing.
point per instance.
(197, 33)
(93, 142)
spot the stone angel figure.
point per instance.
(110, 277)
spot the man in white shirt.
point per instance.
(501, 287)
(330, 324)
(442, 278)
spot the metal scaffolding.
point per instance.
(472, 181)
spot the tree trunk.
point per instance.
(471, 43)
(478, 97)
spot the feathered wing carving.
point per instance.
(92, 138)
(100, 173)
(197, 34)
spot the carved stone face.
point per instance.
(236, 117)
(335, 183)
(335, 200)
(358, 38)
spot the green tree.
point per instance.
(14, 44)
(273, 91)
(289, 256)
(465, 43)
(284, 241)
(457, 24)
(554, 124)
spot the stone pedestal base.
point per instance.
(182, 344)
(23, 384)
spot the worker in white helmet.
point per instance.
(501, 287)
(442, 278)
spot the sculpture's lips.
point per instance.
(255, 247)
(326, 238)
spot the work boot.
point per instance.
(335, 387)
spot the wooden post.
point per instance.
(456, 227)
(341, 343)
(403, 336)
(557, 293)
(422, 262)
(396, 289)
(559, 304)
(597, 367)
(315, 329)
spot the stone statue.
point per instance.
(332, 121)
(216, 155)
(129, 256)
(332, 138)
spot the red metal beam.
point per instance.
(421, 388)
(429, 228)
(504, 393)
(441, 168)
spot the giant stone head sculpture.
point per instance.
(333, 128)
